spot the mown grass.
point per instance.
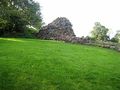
(31, 64)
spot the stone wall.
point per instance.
(107, 44)
(61, 29)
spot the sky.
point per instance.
(83, 14)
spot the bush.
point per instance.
(28, 33)
(114, 40)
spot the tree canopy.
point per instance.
(116, 38)
(16, 15)
(100, 32)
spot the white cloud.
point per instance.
(83, 13)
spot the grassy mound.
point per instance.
(31, 64)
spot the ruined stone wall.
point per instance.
(59, 29)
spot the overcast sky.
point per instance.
(83, 13)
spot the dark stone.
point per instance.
(59, 29)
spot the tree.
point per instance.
(100, 32)
(16, 15)
(116, 38)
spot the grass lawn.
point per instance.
(32, 64)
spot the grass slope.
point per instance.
(31, 64)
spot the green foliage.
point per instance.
(17, 14)
(31, 64)
(2, 23)
(116, 38)
(100, 32)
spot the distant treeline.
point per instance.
(100, 33)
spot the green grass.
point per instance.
(32, 64)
